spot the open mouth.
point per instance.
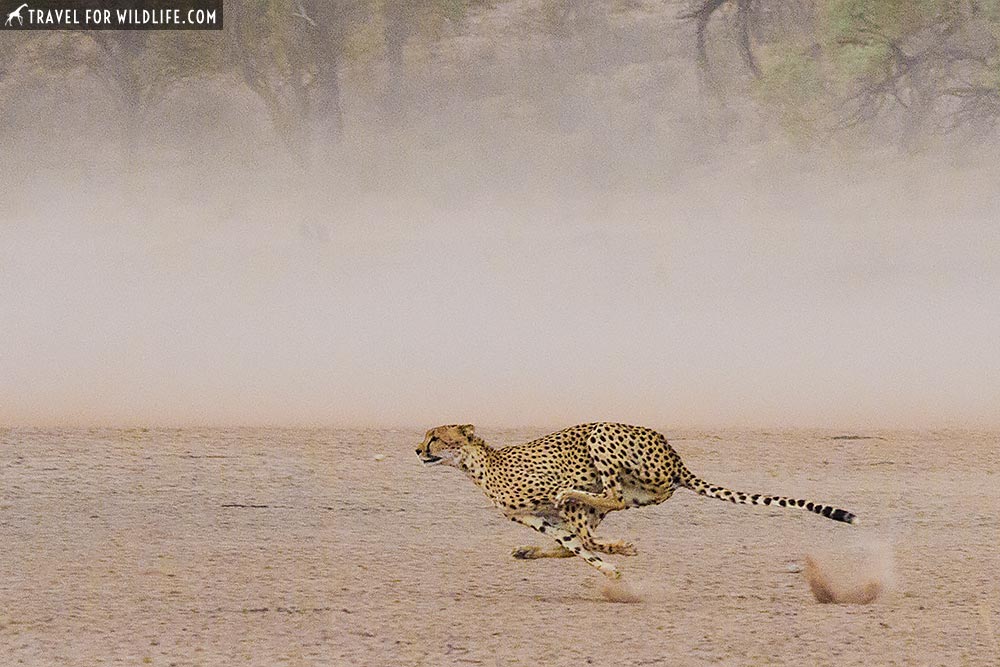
(430, 460)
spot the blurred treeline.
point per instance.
(907, 73)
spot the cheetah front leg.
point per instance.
(598, 501)
(584, 521)
(567, 540)
(609, 500)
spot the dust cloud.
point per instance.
(583, 252)
(859, 576)
(622, 591)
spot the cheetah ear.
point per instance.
(467, 430)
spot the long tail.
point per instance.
(703, 488)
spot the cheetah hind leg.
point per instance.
(584, 521)
(532, 552)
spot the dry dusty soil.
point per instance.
(334, 547)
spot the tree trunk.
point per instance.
(743, 18)
(396, 20)
(325, 116)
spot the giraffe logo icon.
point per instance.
(16, 14)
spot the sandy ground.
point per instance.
(119, 547)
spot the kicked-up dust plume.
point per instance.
(621, 590)
(859, 577)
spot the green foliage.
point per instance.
(857, 62)
(792, 84)
(989, 8)
(453, 10)
(364, 42)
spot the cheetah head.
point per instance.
(443, 444)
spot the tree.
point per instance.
(288, 52)
(932, 66)
(934, 63)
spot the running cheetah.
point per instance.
(565, 483)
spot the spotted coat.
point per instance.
(565, 483)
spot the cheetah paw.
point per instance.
(525, 553)
(565, 497)
(623, 549)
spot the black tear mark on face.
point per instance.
(427, 448)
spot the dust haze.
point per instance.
(532, 239)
